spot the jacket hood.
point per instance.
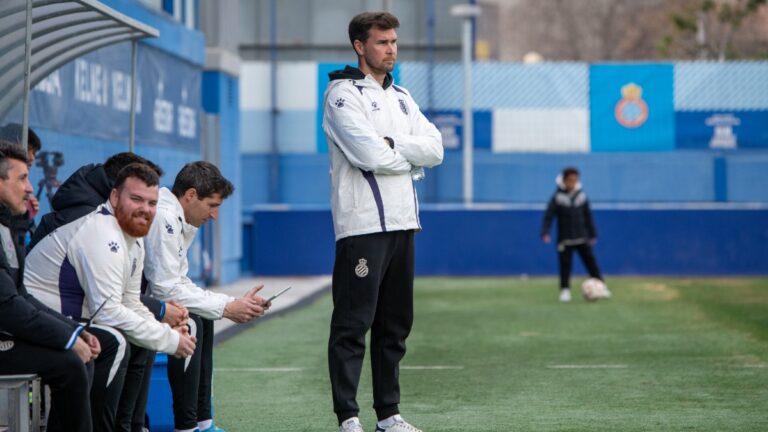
(89, 185)
(353, 73)
(561, 185)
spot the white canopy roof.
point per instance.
(62, 30)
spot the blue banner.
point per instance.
(91, 96)
(632, 107)
(450, 125)
(722, 130)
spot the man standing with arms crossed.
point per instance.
(378, 142)
(198, 191)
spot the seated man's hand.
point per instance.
(33, 205)
(186, 345)
(261, 301)
(93, 344)
(245, 308)
(82, 350)
(176, 315)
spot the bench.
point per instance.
(20, 403)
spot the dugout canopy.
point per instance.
(42, 35)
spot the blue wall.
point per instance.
(220, 98)
(682, 176)
(505, 241)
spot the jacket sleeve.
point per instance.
(549, 214)
(346, 124)
(101, 276)
(54, 313)
(166, 270)
(155, 306)
(591, 231)
(21, 318)
(424, 145)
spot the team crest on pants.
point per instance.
(361, 270)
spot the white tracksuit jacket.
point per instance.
(78, 266)
(166, 265)
(371, 186)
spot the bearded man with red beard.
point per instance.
(90, 270)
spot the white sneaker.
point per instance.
(565, 295)
(351, 425)
(399, 426)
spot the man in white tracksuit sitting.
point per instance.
(96, 262)
(198, 191)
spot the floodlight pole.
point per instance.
(467, 12)
(27, 77)
(132, 124)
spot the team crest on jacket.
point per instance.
(114, 247)
(6, 345)
(133, 267)
(169, 228)
(375, 106)
(403, 107)
(361, 269)
(339, 103)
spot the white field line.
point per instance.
(263, 370)
(431, 367)
(754, 366)
(588, 366)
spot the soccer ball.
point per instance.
(594, 289)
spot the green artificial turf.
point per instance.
(661, 355)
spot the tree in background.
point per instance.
(620, 30)
(707, 30)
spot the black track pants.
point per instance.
(63, 372)
(566, 262)
(372, 290)
(108, 377)
(133, 400)
(191, 379)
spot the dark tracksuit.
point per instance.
(191, 378)
(575, 229)
(34, 340)
(378, 295)
(79, 195)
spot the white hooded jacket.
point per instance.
(166, 265)
(84, 263)
(371, 186)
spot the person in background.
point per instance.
(575, 228)
(24, 224)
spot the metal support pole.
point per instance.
(466, 53)
(274, 158)
(467, 12)
(132, 125)
(27, 77)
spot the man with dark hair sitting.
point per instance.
(95, 264)
(35, 339)
(197, 194)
